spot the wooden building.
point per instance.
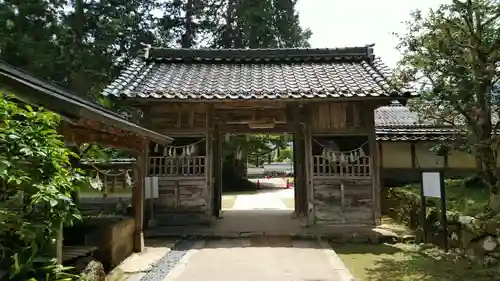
(84, 121)
(406, 142)
(325, 97)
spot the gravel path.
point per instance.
(163, 267)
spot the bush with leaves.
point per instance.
(37, 181)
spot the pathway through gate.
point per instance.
(263, 258)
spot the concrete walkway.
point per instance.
(261, 200)
(266, 199)
(260, 259)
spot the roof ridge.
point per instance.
(268, 54)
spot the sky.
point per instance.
(347, 23)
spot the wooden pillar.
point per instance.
(308, 163)
(210, 179)
(380, 162)
(413, 155)
(217, 172)
(296, 169)
(374, 153)
(300, 187)
(138, 197)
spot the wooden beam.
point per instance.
(278, 128)
(81, 135)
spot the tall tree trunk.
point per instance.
(490, 172)
(187, 40)
(78, 76)
(227, 36)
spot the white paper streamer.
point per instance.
(361, 152)
(96, 183)
(128, 179)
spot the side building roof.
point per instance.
(398, 123)
(71, 107)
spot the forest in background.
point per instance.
(83, 44)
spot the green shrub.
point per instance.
(37, 182)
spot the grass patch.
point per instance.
(228, 201)
(465, 200)
(402, 262)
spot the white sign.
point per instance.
(431, 183)
(151, 187)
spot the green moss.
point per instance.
(402, 262)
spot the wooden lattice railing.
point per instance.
(361, 168)
(191, 166)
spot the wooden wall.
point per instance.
(401, 161)
(318, 199)
(341, 118)
(345, 200)
(188, 194)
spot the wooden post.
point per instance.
(296, 169)
(294, 116)
(217, 172)
(138, 198)
(375, 166)
(311, 212)
(209, 145)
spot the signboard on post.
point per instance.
(151, 188)
(432, 185)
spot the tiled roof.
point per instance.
(67, 104)
(254, 74)
(398, 123)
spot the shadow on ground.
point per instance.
(261, 242)
(405, 263)
(266, 189)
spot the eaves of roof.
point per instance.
(68, 105)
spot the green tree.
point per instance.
(453, 54)
(37, 182)
(260, 24)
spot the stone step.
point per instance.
(182, 219)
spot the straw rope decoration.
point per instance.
(96, 182)
(343, 157)
(171, 150)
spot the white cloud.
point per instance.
(341, 23)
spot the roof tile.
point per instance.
(254, 74)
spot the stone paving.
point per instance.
(138, 264)
(260, 258)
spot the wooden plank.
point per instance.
(356, 111)
(74, 252)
